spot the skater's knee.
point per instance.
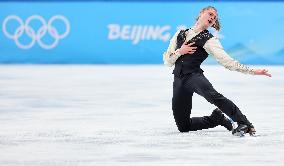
(183, 126)
(183, 130)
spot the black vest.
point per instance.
(190, 63)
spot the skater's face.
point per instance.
(208, 18)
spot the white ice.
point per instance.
(104, 115)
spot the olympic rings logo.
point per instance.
(36, 36)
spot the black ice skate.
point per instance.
(222, 119)
(242, 129)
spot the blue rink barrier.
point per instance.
(100, 32)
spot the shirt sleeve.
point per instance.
(214, 48)
(171, 55)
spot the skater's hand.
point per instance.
(262, 72)
(187, 48)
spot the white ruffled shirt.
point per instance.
(212, 47)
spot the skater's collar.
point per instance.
(195, 29)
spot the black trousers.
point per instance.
(183, 89)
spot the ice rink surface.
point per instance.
(92, 115)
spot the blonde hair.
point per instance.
(217, 24)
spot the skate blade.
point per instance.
(243, 134)
(240, 134)
(254, 135)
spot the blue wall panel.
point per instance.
(132, 33)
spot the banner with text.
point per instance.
(132, 33)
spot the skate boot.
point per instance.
(222, 119)
(242, 129)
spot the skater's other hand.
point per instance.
(187, 48)
(262, 72)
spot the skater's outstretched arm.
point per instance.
(262, 72)
(214, 47)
